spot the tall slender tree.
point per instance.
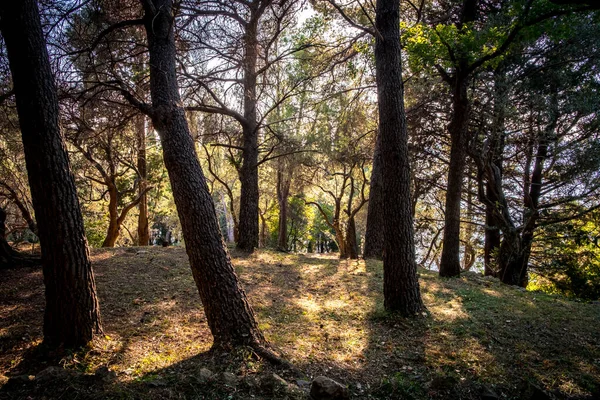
(401, 285)
(72, 313)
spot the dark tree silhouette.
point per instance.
(72, 314)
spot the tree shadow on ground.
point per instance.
(326, 317)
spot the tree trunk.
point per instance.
(112, 232)
(450, 262)
(401, 286)
(492, 222)
(283, 193)
(249, 196)
(9, 258)
(374, 237)
(350, 244)
(72, 314)
(143, 231)
(229, 315)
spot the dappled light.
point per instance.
(325, 315)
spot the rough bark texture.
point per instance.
(350, 244)
(249, 195)
(375, 216)
(450, 262)
(143, 233)
(72, 314)
(401, 285)
(229, 315)
(458, 129)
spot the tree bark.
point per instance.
(143, 231)
(249, 195)
(492, 222)
(401, 286)
(374, 237)
(283, 194)
(112, 232)
(350, 244)
(450, 261)
(10, 258)
(229, 315)
(72, 314)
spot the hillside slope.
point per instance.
(324, 315)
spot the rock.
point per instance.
(156, 383)
(205, 374)
(488, 394)
(52, 373)
(105, 375)
(323, 388)
(229, 379)
(3, 379)
(302, 384)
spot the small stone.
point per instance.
(229, 379)
(303, 384)
(157, 383)
(52, 373)
(105, 375)
(323, 388)
(205, 374)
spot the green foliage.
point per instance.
(571, 264)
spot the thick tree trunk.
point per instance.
(249, 196)
(143, 231)
(229, 315)
(72, 314)
(450, 262)
(401, 286)
(374, 237)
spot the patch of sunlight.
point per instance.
(335, 304)
(491, 292)
(450, 311)
(308, 305)
(101, 255)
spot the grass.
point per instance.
(322, 314)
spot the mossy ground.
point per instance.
(322, 314)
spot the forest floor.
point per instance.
(478, 337)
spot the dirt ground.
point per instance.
(322, 314)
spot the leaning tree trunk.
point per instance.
(230, 317)
(249, 194)
(450, 262)
(143, 232)
(72, 314)
(401, 285)
(374, 237)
